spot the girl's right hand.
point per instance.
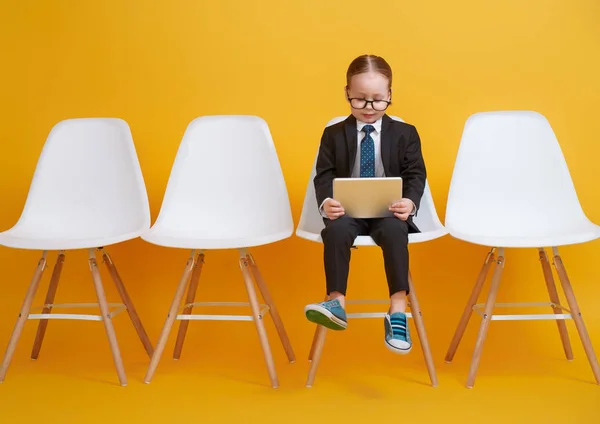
(333, 209)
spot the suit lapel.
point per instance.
(351, 140)
(387, 135)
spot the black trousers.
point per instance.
(391, 234)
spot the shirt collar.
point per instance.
(376, 125)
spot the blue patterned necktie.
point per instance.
(367, 153)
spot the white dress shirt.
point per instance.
(379, 171)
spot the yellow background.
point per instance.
(158, 65)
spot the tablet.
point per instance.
(367, 197)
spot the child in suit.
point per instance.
(368, 144)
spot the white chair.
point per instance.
(309, 228)
(226, 191)
(87, 192)
(514, 157)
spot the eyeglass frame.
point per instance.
(389, 102)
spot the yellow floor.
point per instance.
(358, 381)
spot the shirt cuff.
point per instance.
(414, 209)
(321, 210)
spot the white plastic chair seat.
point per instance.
(421, 237)
(581, 233)
(311, 222)
(226, 189)
(368, 240)
(198, 240)
(512, 159)
(87, 191)
(23, 240)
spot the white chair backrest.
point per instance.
(87, 183)
(226, 182)
(510, 178)
(311, 221)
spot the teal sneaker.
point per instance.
(329, 314)
(397, 334)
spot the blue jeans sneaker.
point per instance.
(329, 314)
(397, 334)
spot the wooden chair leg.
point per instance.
(313, 346)
(315, 337)
(50, 295)
(106, 318)
(487, 318)
(164, 335)
(417, 316)
(467, 312)
(264, 290)
(320, 334)
(576, 314)
(191, 296)
(133, 315)
(553, 294)
(23, 315)
(258, 321)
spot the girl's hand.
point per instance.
(402, 209)
(333, 209)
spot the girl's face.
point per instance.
(369, 86)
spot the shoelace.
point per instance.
(398, 325)
(332, 303)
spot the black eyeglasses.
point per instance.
(378, 105)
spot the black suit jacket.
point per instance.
(400, 153)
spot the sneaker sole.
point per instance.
(322, 316)
(397, 350)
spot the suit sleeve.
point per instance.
(414, 173)
(325, 172)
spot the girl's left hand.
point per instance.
(402, 209)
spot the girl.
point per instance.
(368, 144)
